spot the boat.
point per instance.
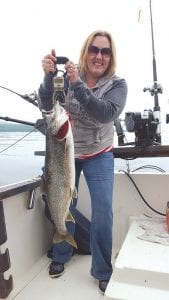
(140, 254)
(141, 267)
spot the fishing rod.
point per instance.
(39, 124)
(147, 124)
(31, 98)
(156, 88)
(17, 121)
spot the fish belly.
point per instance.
(59, 175)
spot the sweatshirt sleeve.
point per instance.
(45, 99)
(106, 109)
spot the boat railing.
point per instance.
(15, 200)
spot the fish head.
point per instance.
(57, 121)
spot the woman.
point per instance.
(95, 96)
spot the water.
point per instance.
(19, 162)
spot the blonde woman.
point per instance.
(95, 96)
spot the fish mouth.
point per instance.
(47, 112)
(63, 130)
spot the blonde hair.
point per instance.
(83, 54)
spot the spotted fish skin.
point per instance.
(59, 170)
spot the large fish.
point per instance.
(59, 170)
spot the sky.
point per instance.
(30, 29)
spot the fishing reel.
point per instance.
(144, 125)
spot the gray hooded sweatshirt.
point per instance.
(93, 111)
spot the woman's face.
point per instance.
(98, 57)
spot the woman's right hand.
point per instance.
(49, 62)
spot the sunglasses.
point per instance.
(105, 52)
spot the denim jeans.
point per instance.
(99, 175)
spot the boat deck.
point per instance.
(141, 269)
(76, 283)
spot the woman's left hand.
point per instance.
(72, 71)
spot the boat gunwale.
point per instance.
(13, 189)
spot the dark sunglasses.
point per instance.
(93, 50)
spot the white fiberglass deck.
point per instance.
(29, 235)
(141, 270)
(75, 284)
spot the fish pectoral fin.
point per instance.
(70, 218)
(68, 238)
(75, 193)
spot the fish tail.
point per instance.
(70, 240)
(67, 237)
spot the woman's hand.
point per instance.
(49, 62)
(72, 71)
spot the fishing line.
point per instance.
(18, 140)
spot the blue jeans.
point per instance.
(99, 175)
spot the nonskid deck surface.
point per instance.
(75, 284)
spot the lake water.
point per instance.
(19, 162)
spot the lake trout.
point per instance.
(59, 170)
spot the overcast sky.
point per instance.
(30, 29)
